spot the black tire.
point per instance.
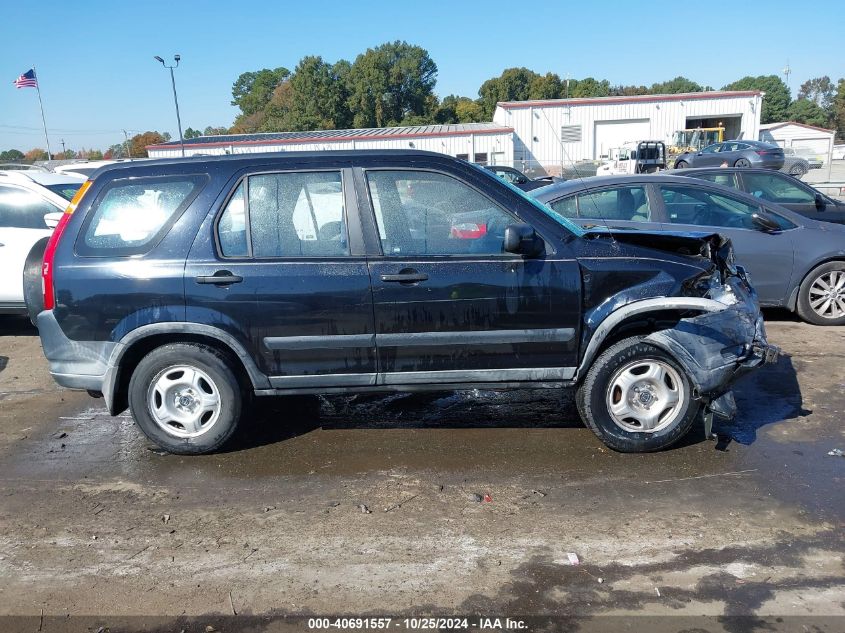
(805, 309)
(593, 396)
(797, 170)
(743, 162)
(217, 366)
(32, 294)
(681, 164)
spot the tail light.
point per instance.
(469, 231)
(763, 152)
(52, 243)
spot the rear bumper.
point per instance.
(75, 364)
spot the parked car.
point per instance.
(88, 167)
(793, 164)
(778, 188)
(31, 203)
(520, 180)
(183, 287)
(838, 152)
(734, 154)
(793, 261)
(801, 154)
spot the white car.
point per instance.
(31, 204)
(86, 168)
(838, 152)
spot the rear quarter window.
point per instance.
(130, 216)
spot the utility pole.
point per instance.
(176, 58)
(63, 147)
(787, 71)
(127, 145)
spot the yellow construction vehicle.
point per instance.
(695, 139)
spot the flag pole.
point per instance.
(43, 120)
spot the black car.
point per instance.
(518, 179)
(776, 187)
(183, 288)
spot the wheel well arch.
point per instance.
(793, 295)
(640, 318)
(131, 353)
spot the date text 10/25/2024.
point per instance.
(417, 624)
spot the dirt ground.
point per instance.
(95, 525)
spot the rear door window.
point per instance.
(130, 216)
(628, 204)
(291, 214)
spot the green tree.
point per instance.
(389, 83)
(514, 84)
(94, 154)
(11, 154)
(807, 111)
(548, 86)
(839, 108)
(191, 133)
(777, 99)
(215, 131)
(628, 91)
(589, 87)
(252, 91)
(138, 143)
(819, 90)
(677, 85)
(317, 98)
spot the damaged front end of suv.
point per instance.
(680, 293)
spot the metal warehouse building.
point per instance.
(476, 142)
(559, 132)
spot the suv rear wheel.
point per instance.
(186, 398)
(821, 298)
(637, 398)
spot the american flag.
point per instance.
(27, 80)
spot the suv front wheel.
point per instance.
(636, 398)
(186, 398)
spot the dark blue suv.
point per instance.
(184, 288)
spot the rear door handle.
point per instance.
(405, 277)
(220, 278)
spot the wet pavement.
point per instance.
(90, 514)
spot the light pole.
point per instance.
(176, 58)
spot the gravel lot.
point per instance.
(94, 525)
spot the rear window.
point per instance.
(130, 216)
(65, 190)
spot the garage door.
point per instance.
(813, 145)
(612, 134)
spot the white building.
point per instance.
(559, 132)
(806, 139)
(477, 142)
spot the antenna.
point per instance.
(787, 71)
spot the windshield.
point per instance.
(554, 215)
(66, 189)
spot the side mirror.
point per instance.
(820, 203)
(765, 222)
(52, 219)
(521, 239)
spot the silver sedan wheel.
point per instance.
(184, 401)
(827, 295)
(646, 396)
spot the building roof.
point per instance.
(317, 136)
(774, 126)
(684, 96)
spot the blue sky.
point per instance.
(95, 59)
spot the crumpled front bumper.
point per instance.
(718, 347)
